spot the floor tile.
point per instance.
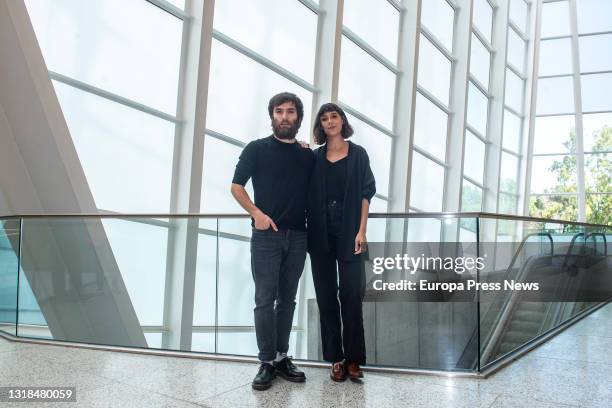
(374, 391)
(574, 369)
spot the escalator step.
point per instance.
(527, 327)
(529, 316)
(518, 337)
(532, 306)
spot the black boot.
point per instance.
(286, 369)
(264, 377)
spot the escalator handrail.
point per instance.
(569, 250)
(524, 241)
(593, 235)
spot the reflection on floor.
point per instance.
(573, 369)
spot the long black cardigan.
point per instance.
(360, 184)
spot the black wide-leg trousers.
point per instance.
(340, 287)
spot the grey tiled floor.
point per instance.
(574, 369)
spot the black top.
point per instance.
(336, 179)
(281, 174)
(359, 184)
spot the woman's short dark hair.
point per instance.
(319, 134)
(283, 97)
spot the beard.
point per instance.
(285, 133)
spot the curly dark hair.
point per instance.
(319, 134)
(283, 97)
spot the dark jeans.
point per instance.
(341, 323)
(277, 262)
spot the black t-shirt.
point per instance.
(336, 179)
(280, 173)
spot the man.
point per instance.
(280, 169)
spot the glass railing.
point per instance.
(184, 283)
(571, 266)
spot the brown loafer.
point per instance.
(354, 371)
(338, 372)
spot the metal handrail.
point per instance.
(440, 215)
(571, 247)
(595, 234)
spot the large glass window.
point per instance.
(512, 131)
(287, 34)
(554, 134)
(471, 197)
(216, 196)
(556, 139)
(378, 147)
(598, 208)
(434, 70)
(509, 173)
(592, 55)
(483, 18)
(130, 48)
(594, 16)
(555, 57)
(555, 95)
(438, 17)
(474, 157)
(480, 61)
(426, 184)
(477, 109)
(556, 174)
(126, 154)
(597, 133)
(555, 19)
(596, 91)
(430, 127)
(514, 91)
(518, 14)
(273, 31)
(561, 207)
(365, 84)
(516, 50)
(376, 22)
(598, 174)
(507, 203)
(434, 78)
(232, 74)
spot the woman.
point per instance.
(341, 187)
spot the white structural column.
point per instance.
(496, 106)
(405, 96)
(399, 320)
(581, 190)
(528, 126)
(496, 118)
(187, 175)
(327, 60)
(458, 105)
(527, 148)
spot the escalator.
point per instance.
(525, 324)
(566, 274)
